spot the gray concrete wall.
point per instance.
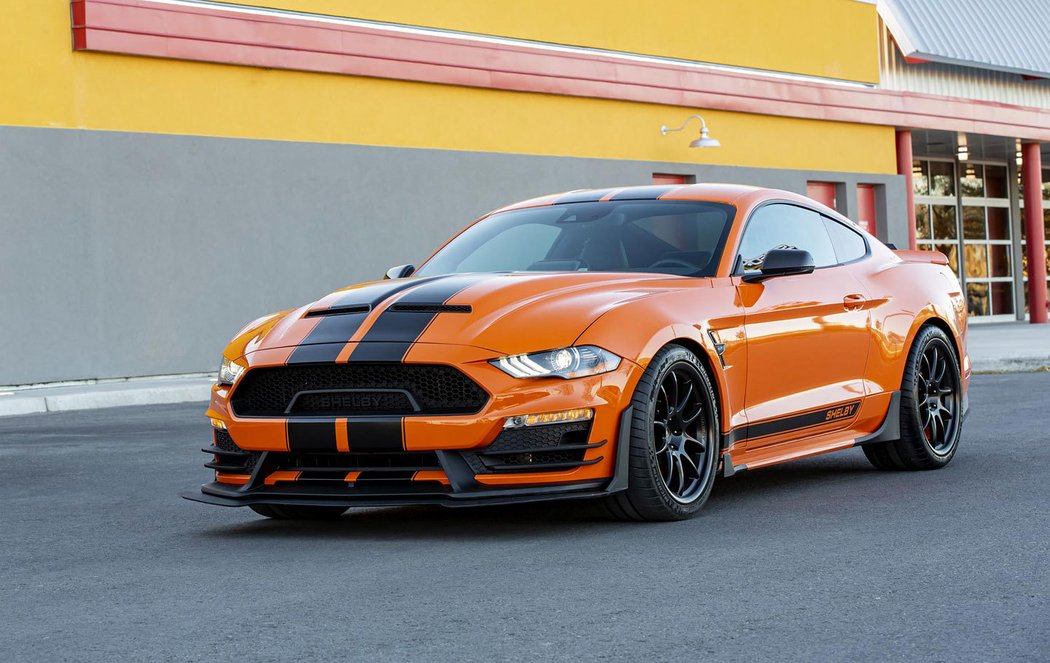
(126, 254)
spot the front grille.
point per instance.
(430, 389)
(230, 458)
(535, 449)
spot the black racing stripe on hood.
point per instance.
(645, 192)
(394, 332)
(326, 340)
(591, 196)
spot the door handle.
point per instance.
(853, 302)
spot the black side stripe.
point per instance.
(394, 332)
(589, 196)
(645, 192)
(311, 435)
(326, 340)
(796, 422)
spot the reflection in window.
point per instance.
(944, 222)
(995, 182)
(950, 250)
(977, 298)
(1000, 259)
(998, 223)
(922, 222)
(920, 176)
(1002, 298)
(942, 178)
(973, 223)
(972, 181)
(976, 260)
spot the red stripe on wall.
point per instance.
(309, 43)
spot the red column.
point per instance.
(904, 167)
(1033, 215)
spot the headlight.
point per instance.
(572, 362)
(229, 371)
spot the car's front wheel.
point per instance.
(675, 440)
(298, 512)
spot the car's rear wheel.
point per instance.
(675, 440)
(297, 512)
(930, 408)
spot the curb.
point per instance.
(66, 399)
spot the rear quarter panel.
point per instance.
(908, 291)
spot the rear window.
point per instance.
(849, 244)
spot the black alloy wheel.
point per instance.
(680, 434)
(937, 396)
(675, 440)
(931, 408)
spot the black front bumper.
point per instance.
(462, 490)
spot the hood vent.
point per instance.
(339, 310)
(431, 308)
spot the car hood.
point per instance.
(505, 313)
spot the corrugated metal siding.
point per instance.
(1005, 35)
(955, 81)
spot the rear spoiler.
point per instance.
(930, 257)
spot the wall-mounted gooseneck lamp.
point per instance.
(703, 141)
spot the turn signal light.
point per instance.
(566, 416)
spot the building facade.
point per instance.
(170, 169)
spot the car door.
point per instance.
(807, 334)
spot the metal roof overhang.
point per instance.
(999, 35)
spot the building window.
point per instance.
(866, 207)
(822, 192)
(962, 209)
(671, 178)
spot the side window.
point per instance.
(781, 225)
(849, 245)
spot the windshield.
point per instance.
(685, 238)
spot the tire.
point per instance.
(296, 512)
(930, 408)
(668, 443)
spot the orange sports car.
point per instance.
(627, 344)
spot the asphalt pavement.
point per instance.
(820, 559)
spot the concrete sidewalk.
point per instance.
(1009, 347)
(93, 394)
(994, 348)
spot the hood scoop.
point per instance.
(431, 308)
(338, 310)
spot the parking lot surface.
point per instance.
(820, 559)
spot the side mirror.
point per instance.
(782, 262)
(400, 272)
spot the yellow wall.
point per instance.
(833, 38)
(44, 83)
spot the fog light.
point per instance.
(564, 417)
(218, 423)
